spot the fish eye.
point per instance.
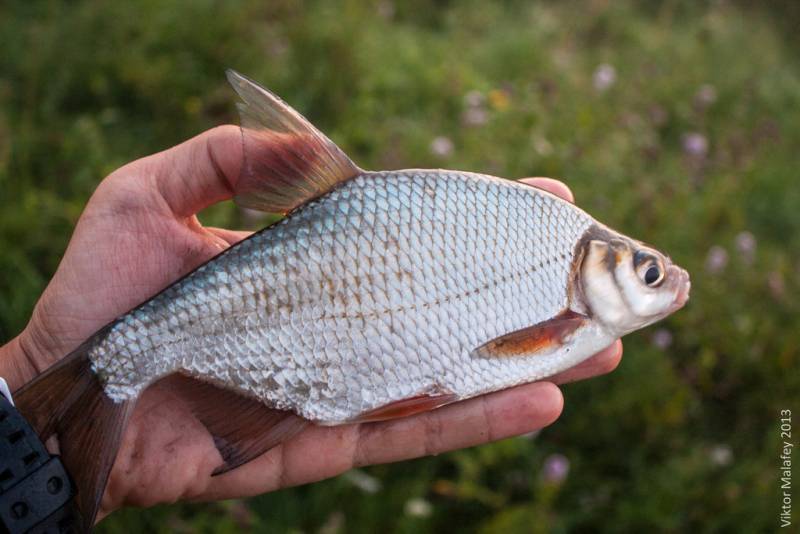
(652, 275)
(649, 268)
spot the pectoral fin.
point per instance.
(532, 340)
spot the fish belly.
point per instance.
(377, 292)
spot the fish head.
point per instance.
(625, 284)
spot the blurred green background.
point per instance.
(677, 122)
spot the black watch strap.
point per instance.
(36, 493)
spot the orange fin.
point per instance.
(287, 161)
(406, 407)
(68, 400)
(243, 428)
(533, 339)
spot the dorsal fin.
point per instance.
(287, 161)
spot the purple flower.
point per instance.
(555, 469)
(241, 514)
(777, 285)
(658, 115)
(385, 9)
(695, 145)
(662, 338)
(705, 96)
(278, 47)
(604, 77)
(717, 259)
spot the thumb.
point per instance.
(556, 187)
(199, 172)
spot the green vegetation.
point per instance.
(676, 122)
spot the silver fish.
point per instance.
(380, 295)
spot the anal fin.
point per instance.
(243, 428)
(547, 335)
(406, 407)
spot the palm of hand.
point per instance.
(138, 234)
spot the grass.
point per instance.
(675, 122)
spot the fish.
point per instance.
(378, 296)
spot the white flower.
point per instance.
(474, 99)
(251, 216)
(333, 524)
(530, 435)
(604, 77)
(720, 455)
(418, 507)
(441, 146)
(475, 116)
(746, 245)
(363, 481)
(542, 146)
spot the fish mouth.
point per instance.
(682, 295)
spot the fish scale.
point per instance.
(343, 287)
(381, 295)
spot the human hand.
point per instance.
(139, 233)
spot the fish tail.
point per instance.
(68, 401)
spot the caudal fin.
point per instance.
(68, 401)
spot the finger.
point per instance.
(601, 363)
(230, 236)
(480, 420)
(553, 186)
(323, 452)
(198, 172)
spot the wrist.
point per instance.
(16, 365)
